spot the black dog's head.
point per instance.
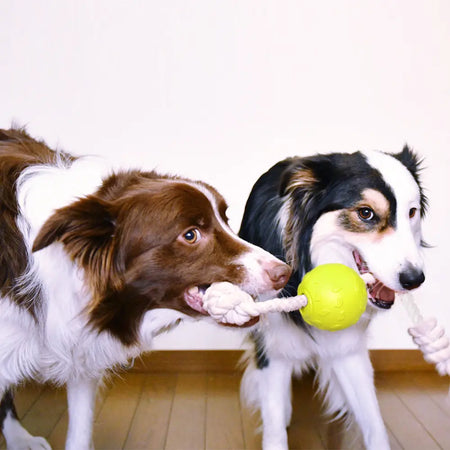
(359, 209)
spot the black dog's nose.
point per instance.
(411, 278)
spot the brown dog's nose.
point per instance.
(278, 273)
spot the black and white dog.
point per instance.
(360, 209)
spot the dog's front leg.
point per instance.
(354, 374)
(273, 384)
(81, 403)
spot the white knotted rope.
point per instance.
(227, 303)
(428, 336)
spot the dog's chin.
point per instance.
(380, 295)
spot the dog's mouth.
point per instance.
(379, 294)
(193, 296)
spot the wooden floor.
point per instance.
(202, 411)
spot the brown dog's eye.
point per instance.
(366, 214)
(412, 212)
(192, 236)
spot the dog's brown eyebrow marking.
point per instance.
(374, 200)
(377, 201)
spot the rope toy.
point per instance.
(227, 303)
(428, 336)
(331, 296)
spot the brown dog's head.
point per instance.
(145, 241)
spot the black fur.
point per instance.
(415, 165)
(259, 221)
(7, 406)
(260, 355)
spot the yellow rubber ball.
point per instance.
(337, 297)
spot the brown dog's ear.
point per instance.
(86, 229)
(77, 226)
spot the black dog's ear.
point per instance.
(414, 164)
(302, 185)
(410, 160)
(309, 177)
(302, 174)
(298, 175)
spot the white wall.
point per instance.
(220, 90)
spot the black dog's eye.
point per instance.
(412, 212)
(192, 236)
(366, 214)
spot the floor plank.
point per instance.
(418, 401)
(437, 388)
(114, 419)
(151, 421)
(186, 428)
(223, 418)
(407, 429)
(45, 413)
(195, 411)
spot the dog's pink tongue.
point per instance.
(381, 292)
(194, 299)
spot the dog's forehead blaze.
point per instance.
(217, 203)
(405, 188)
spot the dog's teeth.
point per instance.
(193, 290)
(368, 278)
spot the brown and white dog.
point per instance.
(94, 265)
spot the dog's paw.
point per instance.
(29, 443)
